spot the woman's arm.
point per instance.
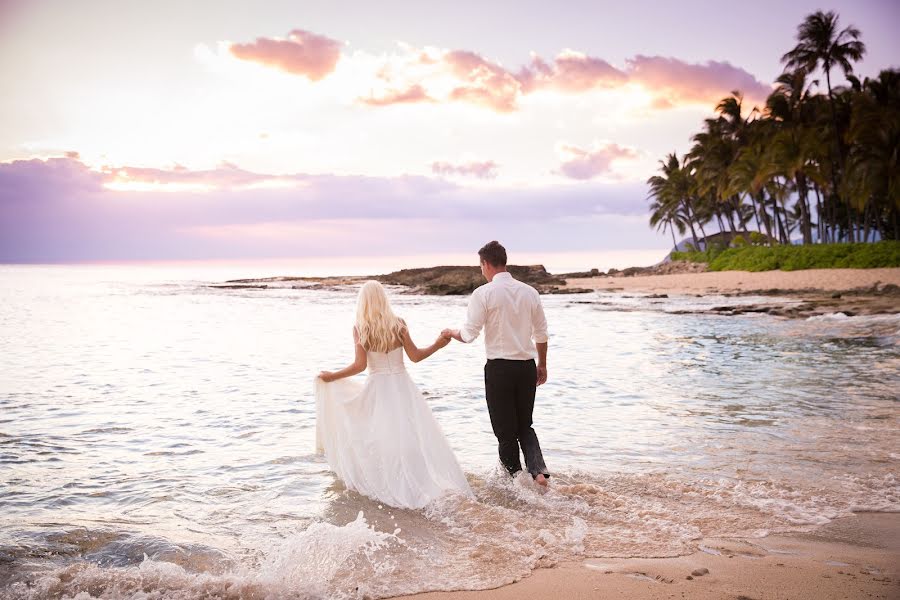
(357, 366)
(417, 354)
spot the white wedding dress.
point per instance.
(381, 439)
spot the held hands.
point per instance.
(451, 334)
(441, 341)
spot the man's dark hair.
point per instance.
(493, 254)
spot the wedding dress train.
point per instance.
(381, 438)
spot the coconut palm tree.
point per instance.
(794, 139)
(672, 191)
(872, 184)
(821, 44)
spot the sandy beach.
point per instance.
(793, 294)
(852, 557)
(743, 282)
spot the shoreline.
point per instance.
(792, 294)
(851, 557)
(810, 281)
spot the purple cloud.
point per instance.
(482, 170)
(59, 210)
(578, 163)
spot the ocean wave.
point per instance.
(459, 543)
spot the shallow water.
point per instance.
(157, 437)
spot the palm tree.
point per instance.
(751, 170)
(714, 151)
(671, 191)
(820, 44)
(665, 215)
(872, 184)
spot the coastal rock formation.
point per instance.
(432, 281)
(666, 268)
(462, 280)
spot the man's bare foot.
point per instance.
(541, 480)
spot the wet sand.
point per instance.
(851, 557)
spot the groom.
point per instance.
(515, 333)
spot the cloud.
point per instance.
(302, 53)
(674, 81)
(413, 94)
(433, 75)
(59, 210)
(578, 163)
(483, 82)
(571, 72)
(225, 176)
(482, 170)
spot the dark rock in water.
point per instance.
(460, 281)
(566, 290)
(583, 274)
(700, 572)
(238, 287)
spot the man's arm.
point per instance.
(542, 363)
(475, 317)
(539, 334)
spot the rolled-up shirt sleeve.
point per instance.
(475, 318)
(538, 322)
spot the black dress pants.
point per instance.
(510, 387)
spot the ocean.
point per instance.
(157, 437)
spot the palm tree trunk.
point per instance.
(720, 222)
(765, 214)
(690, 220)
(867, 219)
(824, 220)
(837, 142)
(782, 234)
(820, 222)
(805, 227)
(755, 212)
(896, 222)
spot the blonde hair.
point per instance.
(378, 328)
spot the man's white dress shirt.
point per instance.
(512, 317)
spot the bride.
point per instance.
(380, 437)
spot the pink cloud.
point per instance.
(484, 82)
(677, 82)
(571, 72)
(302, 53)
(583, 164)
(225, 176)
(412, 95)
(482, 170)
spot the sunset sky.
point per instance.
(224, 130)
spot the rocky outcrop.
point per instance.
(667, 268)
(432, 281)
(462, 280)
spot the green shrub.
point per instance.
(738, 241)
(757, 239)
(817, 256)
